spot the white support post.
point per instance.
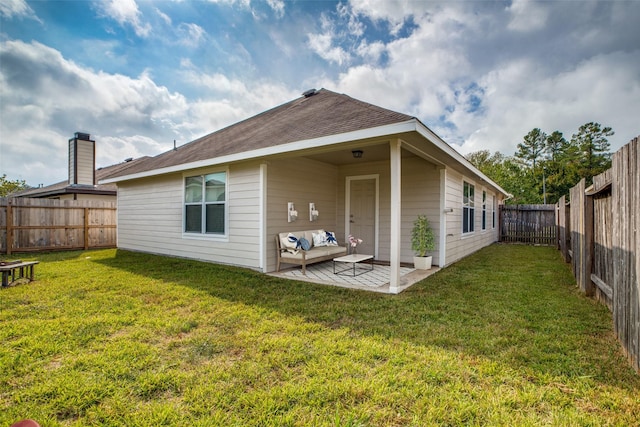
(396, 211)
(264, 240)
(442, 250)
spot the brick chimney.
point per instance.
(82, 160)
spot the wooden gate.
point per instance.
(531, 224)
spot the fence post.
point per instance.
(86, 229)
(588, 245)
(9, 226)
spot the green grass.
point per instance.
(118, 338)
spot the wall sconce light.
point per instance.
(292, 213)
(357, 154)
(313, 213)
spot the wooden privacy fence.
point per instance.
(46, 224)
(533, 224)
(598, 235)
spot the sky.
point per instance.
(138, 75)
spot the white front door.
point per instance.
(362, 212)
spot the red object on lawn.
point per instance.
(26, 423)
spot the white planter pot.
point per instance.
(422, 262)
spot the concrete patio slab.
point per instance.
(375, 281)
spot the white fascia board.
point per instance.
(407, 126)
(446, 148)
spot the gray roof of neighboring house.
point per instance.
(64, 187)
(321, 113)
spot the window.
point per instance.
(484, 210)
(468, 209)
(493, 211)
(205, 203)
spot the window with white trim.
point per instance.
(205, 204)
(468, 207)
(484, 210)
(493, 211)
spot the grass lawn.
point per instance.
(118, 338)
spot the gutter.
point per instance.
(290, 147)
(411, 125)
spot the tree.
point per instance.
(555, 145)
(8, 187)
(507, 172)
(592, 147)
(547, 166)
(533, 147)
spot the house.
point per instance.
(83, 175)
(368, 171)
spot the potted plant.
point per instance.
(422, 241)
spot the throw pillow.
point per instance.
(331, 239)
(291, 243)
(319, 238)
(304, 244)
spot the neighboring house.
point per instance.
(369, 172)
(83, 175)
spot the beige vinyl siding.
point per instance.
(72, 162)
(420, 194)
(150, 218)
(460, 245)
(300, 181)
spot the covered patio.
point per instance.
(376, 280)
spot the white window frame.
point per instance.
(468, 204)
(203, 234)
(483, 220)
(493, 211)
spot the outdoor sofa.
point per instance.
(322, 246)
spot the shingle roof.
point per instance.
(63, 187)
(321, 114)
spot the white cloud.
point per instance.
(371, 52)
(277, 6)
(17, 9)
(47, 98)
(356, 28)
(226, 100)
(322, 45)
(125, 12)
(520, 99)
(463, 74)
(395, 12)
(191, 35)
(527, 15)
(165, 18)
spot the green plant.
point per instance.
(422, 238)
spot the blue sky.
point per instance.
(139, 74)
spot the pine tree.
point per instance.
(533, 147)
(592, 149)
